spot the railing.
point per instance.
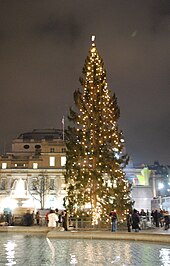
(85, 223)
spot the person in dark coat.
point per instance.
(64, 220)
(37, 217)
(166, 220)
(135, 221)
(27, 219)
(129, 221)
(156, 217)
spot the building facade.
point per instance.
(38, 159)
(150, 186)
(142, 186)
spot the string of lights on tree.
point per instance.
(95, 180)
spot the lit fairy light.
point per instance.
(96, 200)
(93, 37)
(96, 215)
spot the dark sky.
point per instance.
(43, 45)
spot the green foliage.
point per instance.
(95, 147)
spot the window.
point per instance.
(51, 149)
(4, 165)
(34, 184)
(37, 146)
(16, 165)
(2, 184)
(35, 165)
(52, 161)
(26, 146)
(63, 149)
(63, 160)
(51, 185)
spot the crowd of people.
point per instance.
(135, 220)
(52, 219)
(6, 219)
(161, 218)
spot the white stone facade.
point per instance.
(37, 155)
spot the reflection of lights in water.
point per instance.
(52, 249)
(116, 259)
(73, 259)
(94, 253)
(124, 250)
(89, 252)
(10, 252)
(128, 252)
(164, 255)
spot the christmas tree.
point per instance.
(96, 183)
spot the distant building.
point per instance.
(35, 157)
(142, 190)
(161, 178)
(150, 185)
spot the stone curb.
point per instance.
(161, 237)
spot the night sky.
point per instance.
(43, 46)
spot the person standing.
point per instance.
(56, 212)
(113, 216)
(52, 219)
(60, 220)
(46, 218)
(37, 217)
(129, 221)
(33, 217)
(135, 221)
(156, 218)
(166, 220)
(27, 218)
(64, 220)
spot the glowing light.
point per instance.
(10, 252)
(95, 176)
(160, 186)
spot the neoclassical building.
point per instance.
(36, 163)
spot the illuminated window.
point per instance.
(15, 164)
(52, 161)
(63, 160)
(4, 165)
(35, 165)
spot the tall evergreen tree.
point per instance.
(94, 174)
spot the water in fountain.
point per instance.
(20, 191)
(21, 194)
